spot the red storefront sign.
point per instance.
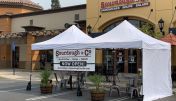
(122, 4)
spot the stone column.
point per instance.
(29, 52)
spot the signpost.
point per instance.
(74, 60)
(13, 56)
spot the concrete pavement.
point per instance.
(14, 87)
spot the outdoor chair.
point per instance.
(121, 85)
(134, 91)
(72, 76)
(126, 83)
(134, 84)
(81, 80)
(63, 81)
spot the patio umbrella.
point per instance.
(170, 38)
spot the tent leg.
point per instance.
(79, 92)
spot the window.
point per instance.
(76, 17)
(31, 22)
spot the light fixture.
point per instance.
(67, 25)
(89, 29)
(161, 25)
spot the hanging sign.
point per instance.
(122, 4)
(74, 59)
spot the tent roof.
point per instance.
(125, 35)
(170, 38)
(70, 36)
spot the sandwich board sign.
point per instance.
(74, 59)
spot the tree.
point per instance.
(55, 4)
(149, 30)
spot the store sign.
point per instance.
(122, 4)
(74, 60)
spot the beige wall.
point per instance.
(23, 48)
(161, 9)
(5, 22)
(49, 21)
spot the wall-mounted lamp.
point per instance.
(89, 29)
(161, 25)
(67, 25)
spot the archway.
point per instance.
(136, 21)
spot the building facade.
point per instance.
(11, 7)
(8, 8)
(32, 27)
(103, 15)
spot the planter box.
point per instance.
(97, 96)
(46, 90)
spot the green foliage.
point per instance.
(45, 75)
(96, 80)
(148, 29)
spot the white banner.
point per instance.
(74, 59)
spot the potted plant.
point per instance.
(98, 93)
(46, 84)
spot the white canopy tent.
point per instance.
(156, 59)
(72, 35)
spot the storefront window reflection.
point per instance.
(129, 57)
(46, 58)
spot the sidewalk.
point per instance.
(20, 74)
(23, 75)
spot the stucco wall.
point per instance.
(5, 24)
(161, 9)
(49, 21)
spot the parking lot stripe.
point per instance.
(48, 96)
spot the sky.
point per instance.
(46, 4)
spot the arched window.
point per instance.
(135, 22)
